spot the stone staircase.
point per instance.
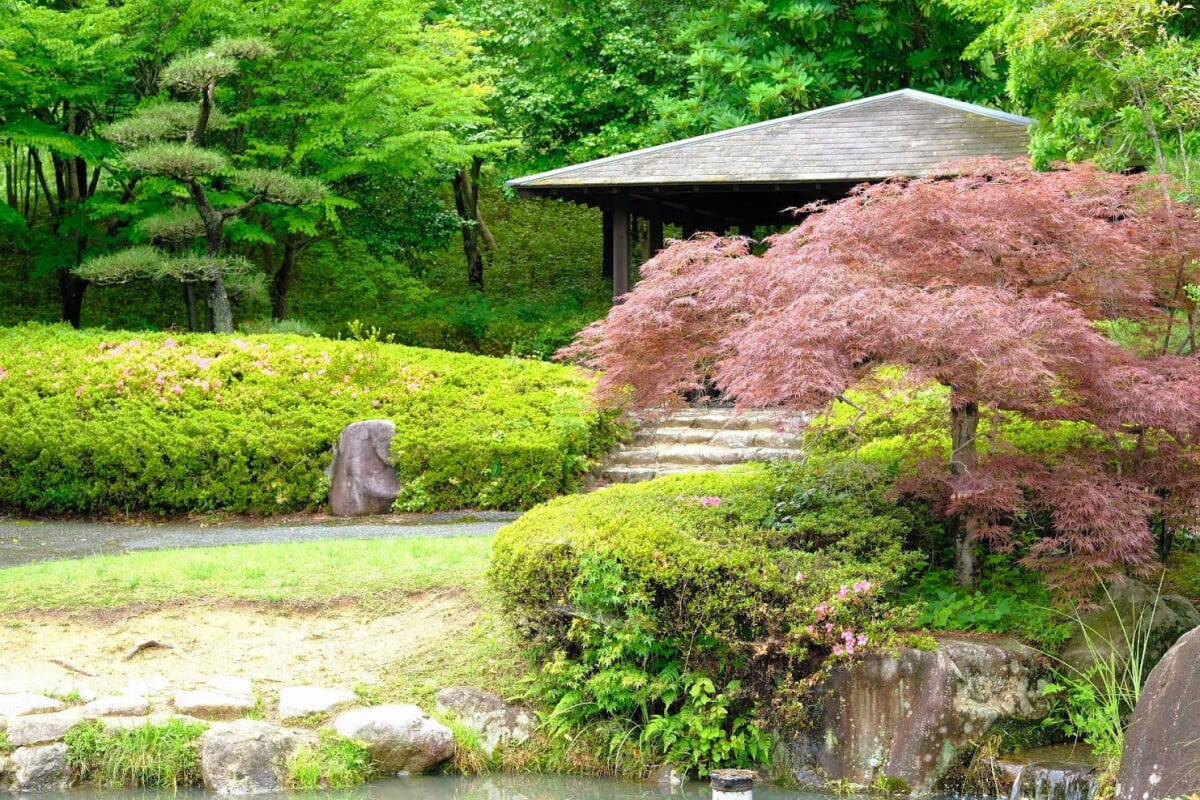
(704, 438)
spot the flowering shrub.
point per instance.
(102, 422)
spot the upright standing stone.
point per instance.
(1161, 757)
(362, 479)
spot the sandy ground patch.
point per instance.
(336, 647)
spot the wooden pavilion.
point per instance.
(746, 177)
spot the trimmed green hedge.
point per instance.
(102, 422)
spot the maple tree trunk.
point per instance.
(964, 459)
(70, 290)
(282, 282)
(466, 199)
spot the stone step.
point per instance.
(699, 455)
(725, 418)
(617, 474)
(682, 454)
(745, 437)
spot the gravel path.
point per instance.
(25, 541)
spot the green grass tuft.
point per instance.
(158, 756)
(334, 762)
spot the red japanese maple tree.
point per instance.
(989, 281)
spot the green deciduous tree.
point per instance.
(361, 94)
(752, 60)
(1117, 80)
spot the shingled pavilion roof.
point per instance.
(746, 177)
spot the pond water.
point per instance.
(491, 787)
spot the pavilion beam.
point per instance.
(606, 266)
(655, 233)
(619, 211)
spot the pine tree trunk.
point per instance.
(218, 304)
(964, 459)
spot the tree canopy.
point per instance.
(992, 282)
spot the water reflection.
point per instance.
(490, 787)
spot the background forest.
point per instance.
(353, 150)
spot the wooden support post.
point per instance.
(656, 235)
(620, 244)
(606, 266)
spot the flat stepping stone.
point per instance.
(212, 704)
(302, 701)
(118, 706)
(23, 703)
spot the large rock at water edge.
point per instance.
(362, 479)
(400, 738)
(246, 757)
(1128, 607)
(495, 720)
(907, 715)
(1162, 744)
(34, 769)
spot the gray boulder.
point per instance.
(33, 769)
(495, 720)
(905, 716)
(400, 738)
(1161, 757)
(246, 757)
(1128, 604)
(362, 479)
(42, 728)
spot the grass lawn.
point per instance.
(301, 574)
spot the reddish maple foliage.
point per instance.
(990, 282)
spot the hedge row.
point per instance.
(101, 422)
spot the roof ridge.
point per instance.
(803, 115)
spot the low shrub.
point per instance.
(668, 610)
(160, 756)
(100, 422)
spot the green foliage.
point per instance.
(159, 756)
(333, 762)
(104, 423)
(1097, 702)
(176, 160)
(5, 746)
(1113, 80)
(1008, 599)
(663, 608)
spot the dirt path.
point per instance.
(336, 647)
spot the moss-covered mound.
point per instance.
(101, 422)
(671, 609)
